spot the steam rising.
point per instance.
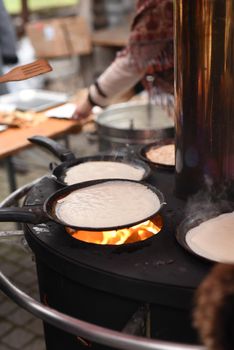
(206, 204)
(208, 225)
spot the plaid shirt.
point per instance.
(149, 51)
(151, 37)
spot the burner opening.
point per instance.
(132, 234)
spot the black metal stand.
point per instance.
(75, 326)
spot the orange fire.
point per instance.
(135, 233)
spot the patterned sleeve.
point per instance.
(151, 38)
(118, 78)
(150, 48)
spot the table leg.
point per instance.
(66, 141)
(12, 181)
(10, 174)
(86, 69)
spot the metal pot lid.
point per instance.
(135, 116)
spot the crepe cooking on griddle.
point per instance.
(108, 204)
(93, 170)
(164, 154)
(214, 238)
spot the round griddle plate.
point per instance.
(60, 171)
(52, 202)
(193, 221)
(144, 149)
(156, 270)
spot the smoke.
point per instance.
(128, 152)
(209, 203)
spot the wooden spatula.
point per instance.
(27, 71)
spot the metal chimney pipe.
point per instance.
(204, 94)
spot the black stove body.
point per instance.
(105, 285)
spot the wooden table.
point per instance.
(14, 140)
(111, 37)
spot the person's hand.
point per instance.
(82, 111)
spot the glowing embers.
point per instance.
(133, 234)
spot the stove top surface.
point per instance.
(147, 270)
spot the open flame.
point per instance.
(133, 234)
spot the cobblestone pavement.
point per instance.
(18, 328)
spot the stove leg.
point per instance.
(137, 325)
(148, 323)
(66, 141)
(12, 181)
(11, 174)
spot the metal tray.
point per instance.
(32, 99)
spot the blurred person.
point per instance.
(7, 43)
(214, 308)
(149, 52)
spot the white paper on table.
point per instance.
(64, 111)
(3, 127)
(7, 107)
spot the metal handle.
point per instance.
(31, 215)
(87, 330)
(54, 147)
(4, 78)
(18, 194)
